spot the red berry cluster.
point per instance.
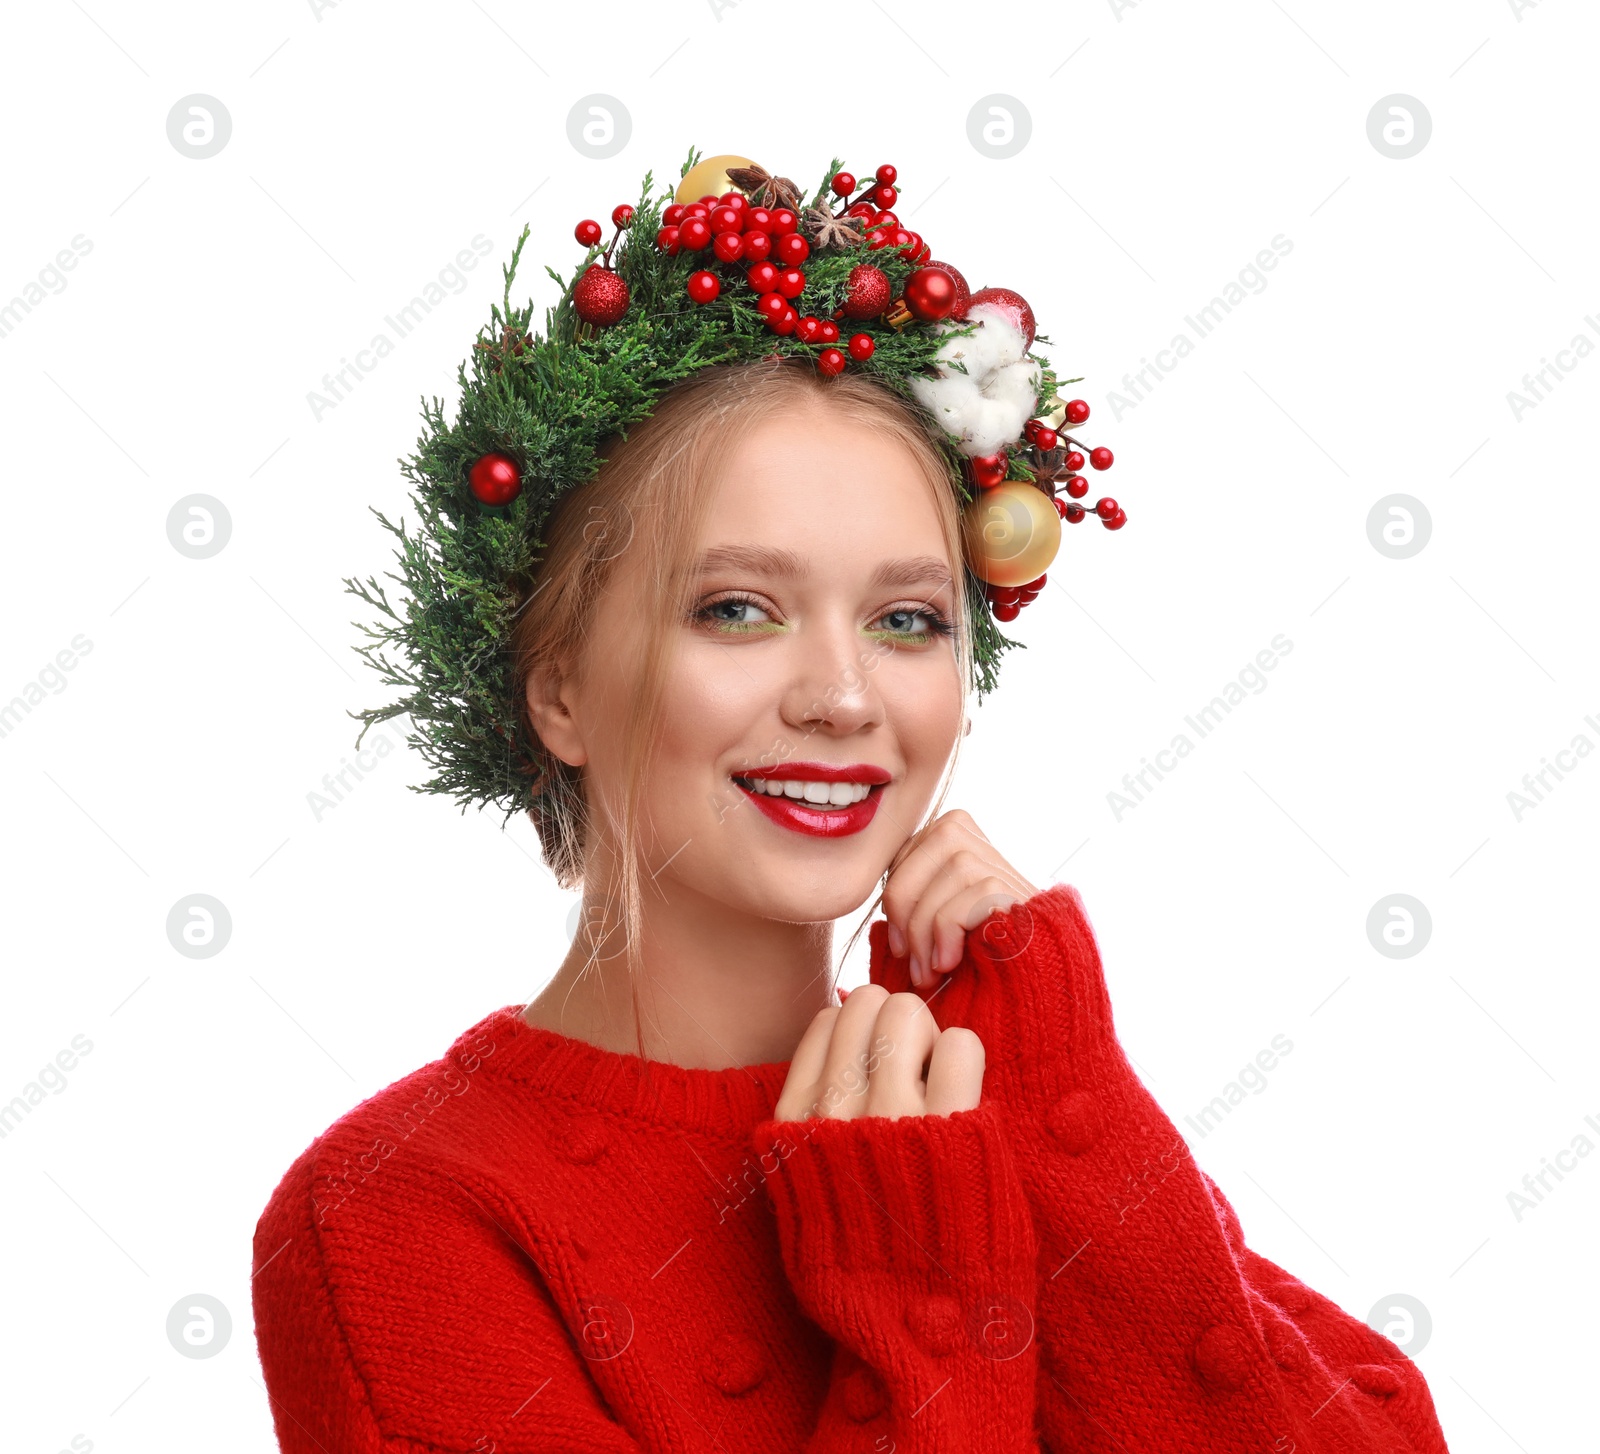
(988, 470)
(1006, 602)
(600, 297)
(871, 211)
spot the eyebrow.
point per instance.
(913, 570)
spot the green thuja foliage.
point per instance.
(550, 401)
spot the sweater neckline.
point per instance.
(727, 1102)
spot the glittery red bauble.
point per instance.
(495, 479)
(930, 294)
(1014, 306)
(867, 292)
(601, 297)
(963, 292)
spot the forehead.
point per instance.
(780, 562)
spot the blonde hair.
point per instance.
(652, 495)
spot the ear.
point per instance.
(550, 696)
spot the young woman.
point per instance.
(688, 1198)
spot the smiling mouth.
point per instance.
(815, 809)
(822, 796)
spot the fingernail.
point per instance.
(897, 941)
(916, 970)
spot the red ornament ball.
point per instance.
(763, 277)
(844, 183)
(930, 294)
(1077, 411)
(963, 292)
(694, 233)
(704, 286)
(621, 215)
(729, 246)
(1012, 305)
(791, 282)
(495, 479)
(587, 232)
(861, 347)
(600, 296)
(866, 292)
(1101, 458)
(830, 362)
(887, 174)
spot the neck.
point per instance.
(718, 987)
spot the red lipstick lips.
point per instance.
(802, 817)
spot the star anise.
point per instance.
(1048, 465)
(765, 189)
(827, 230)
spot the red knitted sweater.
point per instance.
(535, 1246)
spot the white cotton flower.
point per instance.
(985, 407)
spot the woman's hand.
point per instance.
(949, 883)
(881, 1054)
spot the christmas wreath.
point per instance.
(732, 265)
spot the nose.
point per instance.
(832, 686)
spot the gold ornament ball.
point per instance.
(1011, 533)
(709, 176)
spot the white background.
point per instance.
(1170, 143)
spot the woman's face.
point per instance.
(812, 645)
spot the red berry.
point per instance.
(1117, 521)
(667, 241)
(736, 200)
(694, 209)
(885, 196)
(830, 362)
(704, 286)
(843, 184)
(1074, 513)
(600, 296)
(880, 237)
(694, 233)
(621, 215)
(1105, 507)
(1006, 612)
(887, 174)
(587, 232)
(783, 220)
(1077, 411)
(809, 329)
(710, 200)
(830, 331)
(791, 248)
(989, 470)
(673, 215)
(725, 219)
(1061, 505)
(729, 246)
(791, 282)
(763, 277)
(495, 479)
(886, 219)
(1074, 461)
(863, 211)
(785, 322)
(771, 306)
(1045, 437)
(1031, 428)
(861, 346)
(1077, 486)
(1101, 458)
(1036, 584)
(757, 246)
(758, 219)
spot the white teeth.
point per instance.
(833, 795)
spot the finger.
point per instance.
(955, 1072)
(967, 909)
(842, 1089)
(805, 1068)
(904, 1039)
(949, 834)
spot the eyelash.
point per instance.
(938, 624)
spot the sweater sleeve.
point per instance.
(1157, 1324)
(909, 1242)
